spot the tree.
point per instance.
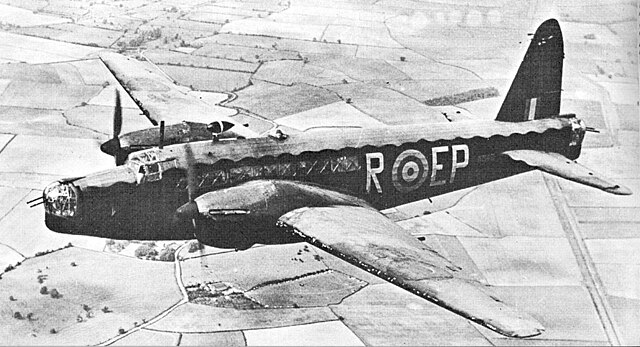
(195, 246)
(168, 254)
(55, 294)
(145, 251)
(43, 290)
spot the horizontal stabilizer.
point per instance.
(559, 165)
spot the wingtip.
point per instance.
(528, 332)
(522, 327)
(619, 190)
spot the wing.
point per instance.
(161, 99)
(369, 240)
(559, 165)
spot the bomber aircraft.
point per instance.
(220, 182)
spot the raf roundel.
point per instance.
(409, 170)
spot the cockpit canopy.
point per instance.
(218, 127)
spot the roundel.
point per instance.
(409, 170)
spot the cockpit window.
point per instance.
(218, 127)
(152, 172)
(148, 156)
(148, 173)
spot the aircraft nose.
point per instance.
(61, 199)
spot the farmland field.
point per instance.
(87, 283)
(207, 79)
(164, 57)
(74, 33)
(274, 101)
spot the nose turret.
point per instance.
(61, 199)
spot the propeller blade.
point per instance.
(120, 155)
(114, 143)
(191, 174)
(191, 208)
(117, 116)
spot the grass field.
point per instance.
(27, 121)
(273, 101)
(232, 338)
(212, 17)
(379, 315)
(165, 57)
(132, 290)
(74, 33)
(26, 18)
(194, 318)
(30, 73)
(243, 53)
(208, 79)
(317, 290)
(260, 26)
(244, 270)
(283, 44)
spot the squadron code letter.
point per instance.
(372, 172)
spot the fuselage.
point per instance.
(385, 167)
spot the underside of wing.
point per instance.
(367, 239)
(559, 165)
(162, 100)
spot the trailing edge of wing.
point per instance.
(559, 165)
(367, 239)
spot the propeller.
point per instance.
(191, 172)
(113, 147)
(190, 209)
(117, 116)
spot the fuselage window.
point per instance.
(152, 172)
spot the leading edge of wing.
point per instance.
(369, 240)
(162, 100)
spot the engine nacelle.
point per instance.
(250, 211)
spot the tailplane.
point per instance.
(536, 89)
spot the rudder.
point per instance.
(536, 90)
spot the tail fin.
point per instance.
(535, 92)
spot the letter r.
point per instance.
(373, 171)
